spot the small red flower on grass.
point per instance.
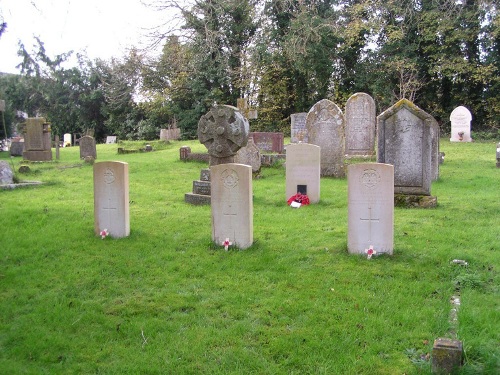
(370, 252)
(226, 243)
(299, 198)
(104, 233)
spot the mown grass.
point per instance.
(166, 300)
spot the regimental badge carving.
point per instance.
(370, 178)
(109, 176)
(229, 178)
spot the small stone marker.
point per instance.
(370, 208)
(111, 198)
(232, 205)
(446, 356)
(249, 155)
(16, 148)
(303, 171)
(360, 119)
(110, 139)
(37, 143)
(298, 128)
(460, 119)
(325, 128)
(87, 147)
(405, 135)
(223, 131)
(6, 174)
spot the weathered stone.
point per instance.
(360, 118)
(249, 155)
(87, 147)
(298, 128)
(6, 174)
(446, 356)
(268, 141)
(412, 200)
(37, 143)
(16, 148)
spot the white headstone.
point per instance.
(303, 171)
(67, 140)
(325, 128)
(360, 117)
(110, 139)
(370, 208)
(460, 125)
(232, 204)
(405, 134)
(111, 198)
(298, 128)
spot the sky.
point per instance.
(102, 28)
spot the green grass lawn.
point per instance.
(166, 300)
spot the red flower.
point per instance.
(300, 198)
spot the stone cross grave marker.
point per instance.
(111, 198)
(223, 131)
(298, 129)
(303, 171)
(87, 147)
(370, 208)
(360, 118)
(405, 137)
(460, 119)
(325, 128)
(37, 143)
(232, 204)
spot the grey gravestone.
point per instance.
(298, 129)
(249, 155)
(111, 139)
(360, 119)
(370, 208)
(111, 198)
(223, 131)
(16, 148)
(37, 144)
(446, 356)
(6, 174)
(303, 169)
(232, 205)
(405, 136)
(325, 128)
(87, 147)
(460, 119)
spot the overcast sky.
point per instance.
(104, 28)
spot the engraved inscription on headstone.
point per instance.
(360, 119)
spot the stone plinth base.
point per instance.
(446, 356)
(197, 199)
(38, 155)
(411, 201)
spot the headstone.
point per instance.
(111, 198)
(303, 171)
(370, 208)
(110, 139)
(298, 128)
(498, 155)
(56, 141)
(249, 155)
(223, 131)
(67, 140)
(201, 190)
(460, 125)
(232, 206)
(16, 148)
(405, 136)
(87, 147)
(435, 157)
(268, 141)
(446, 356)
(184, 151)
(170, 134)
(360, 119)
(325, 128)
(37, 143)
(6, 174)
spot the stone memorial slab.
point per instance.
(405, 135)
(110, 139)
(170, 134)
(87, 147)
(111, 198)
(37, 143)
(223, 131)
(268, 141)
(6, 174)
(435, 154)
(16, 148)
(360, 121)
(232, 205)
(460, 119)
(298, 128)
(249, 155)
(303, 170)
(370, 208)
(67, 140)
(325, 128)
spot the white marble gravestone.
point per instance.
(360, 118)
(405, 135)
(370, 208)
(325, 128)
(460, 125)
(232, 204)
(111, 198)
(303, 170)
(67, 140)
